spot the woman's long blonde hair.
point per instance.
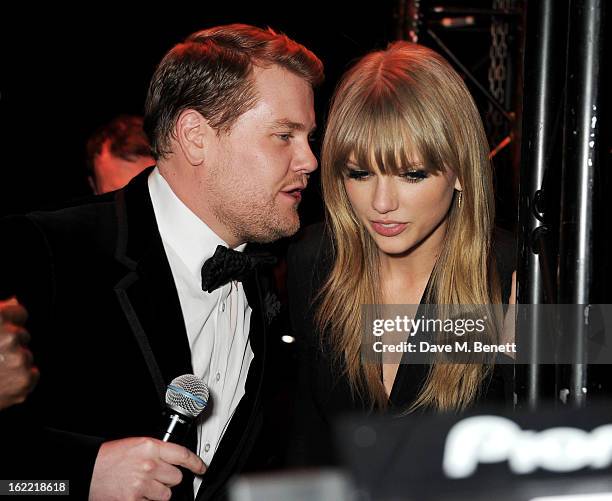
(393, 103)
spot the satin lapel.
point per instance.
(242, 430)
(147, 293)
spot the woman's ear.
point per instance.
(458, 185)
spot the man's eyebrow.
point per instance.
(290, 125)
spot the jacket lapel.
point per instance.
(147, 293)
(149, 299)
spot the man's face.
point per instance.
(253, 176)
(112, 173)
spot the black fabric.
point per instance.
(226, 265)
(323, 392)
(108, 335)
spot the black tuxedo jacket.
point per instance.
(108, 335)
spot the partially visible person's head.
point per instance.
(229, 113)
(116, 152)
(403, 138)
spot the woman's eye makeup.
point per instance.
(356, 173)
(411, 176)
(414, 175)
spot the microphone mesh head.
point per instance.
(187, 394)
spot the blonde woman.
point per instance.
(409, 200)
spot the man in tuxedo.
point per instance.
(119, 300)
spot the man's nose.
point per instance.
(305, 161)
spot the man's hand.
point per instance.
(140, 468)
(18, 376)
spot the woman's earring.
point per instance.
(460, 199)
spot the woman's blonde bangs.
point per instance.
(386, 131)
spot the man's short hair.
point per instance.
(125, 137)
(211, 72)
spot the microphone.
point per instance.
(186, 398)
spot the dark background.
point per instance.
(65, 71)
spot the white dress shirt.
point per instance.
(217, 324)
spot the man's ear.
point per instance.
(191, 129)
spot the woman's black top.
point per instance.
(323, 392)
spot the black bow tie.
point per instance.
(227, 265)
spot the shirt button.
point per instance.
(218, 376)
(223, 306)
(206, 447)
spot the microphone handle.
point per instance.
(177, 428)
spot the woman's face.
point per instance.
(400, 211)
